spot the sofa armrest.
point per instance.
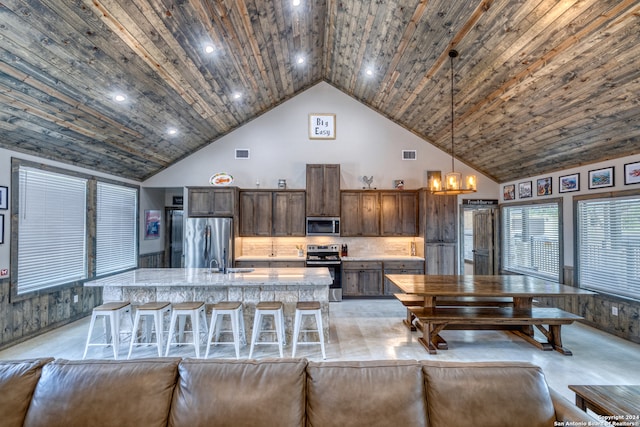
(567, 411)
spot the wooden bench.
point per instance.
(518, 321)
(410, 300)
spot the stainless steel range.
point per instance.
(327, 256)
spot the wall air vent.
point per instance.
(409, 155)
(242, 153)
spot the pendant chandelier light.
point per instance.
(452, 184)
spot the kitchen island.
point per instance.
(250, 286)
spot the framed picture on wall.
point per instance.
(509, 192)
(569, 183)
(322, 126)
(525, 190)
(152, 224)
(632, 173)
(1, 229)
(4, 198)
(600, 178)
(544, 186)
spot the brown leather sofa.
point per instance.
(282, 392)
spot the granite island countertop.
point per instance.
(190, 277)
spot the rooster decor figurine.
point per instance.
(368, 181)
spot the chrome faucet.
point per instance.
(211, 265)
(224, 261)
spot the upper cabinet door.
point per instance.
(323, 190)
(212, 202)
(398, 213)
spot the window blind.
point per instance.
(116, 228)
(531, 240)
(609, 245)
(51, 229)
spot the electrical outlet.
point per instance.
(75, 299)
(614, 311)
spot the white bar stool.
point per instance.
(157, 310)
(233, 309)
(111, 311)
(308, 308)
(268, 308)
(195, 310)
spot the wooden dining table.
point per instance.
(520, 319)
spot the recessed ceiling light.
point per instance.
(296, 2)
(237, 95)
(209, 49)
(120, 97)
(172, 131)
(300, 60)
(369, 72)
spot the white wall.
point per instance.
(567, 205)
(366, 144)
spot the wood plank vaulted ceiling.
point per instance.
(540, 85)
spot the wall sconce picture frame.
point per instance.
(632, 173)
(322, 126)
(544, 186)
(525, 190)
(569, 183)
(509, 192)
(600, 178)
(4, 198)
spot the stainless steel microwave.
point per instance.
(323, 226)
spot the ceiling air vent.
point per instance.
(409, 154)
(242, 153)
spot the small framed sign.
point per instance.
(4, 198)
(322, 126)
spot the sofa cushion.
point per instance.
(239, 393)
(104, 393)
(18, 380)
(380, 393)
(487, 394)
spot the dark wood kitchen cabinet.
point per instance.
(289, 213)
(398, 213)
(361, 278)
(272, 213)
(256, 210)
(438, 221)
(360, 213)
(400, 267)
(441, 219)
(211, 202)
(323, 190)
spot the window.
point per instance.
(52, 245)
(116, 228)
(608, 252)
(531, 239)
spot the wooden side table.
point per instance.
(615, 403)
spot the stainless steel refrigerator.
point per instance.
(208, 242)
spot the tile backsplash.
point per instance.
(358, 246)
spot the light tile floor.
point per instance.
(373, 329)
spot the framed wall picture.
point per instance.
(525, 190)
(632, 173)
(600, 178)
(322, 126)
(569, 183)
(4, 198)
(509, 192)
(1, 229)
(152, 224)
(544, 186)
